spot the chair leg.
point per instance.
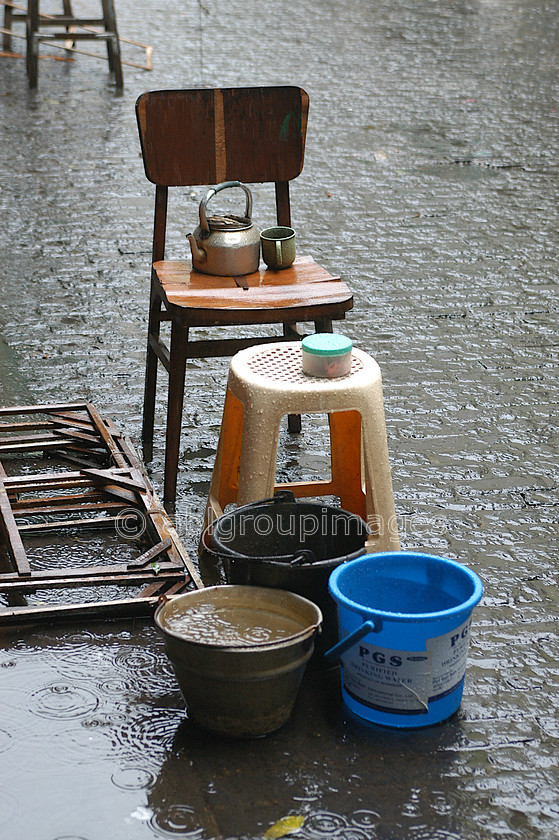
(113, 45)
(32, 42)
(293, 420)
(294, 423)
(323, 325)
(7, 38)
(177, 371)
(150, 385)
(67, 9)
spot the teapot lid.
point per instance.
(229, 222)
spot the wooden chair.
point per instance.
(43, 27)
(206, 137)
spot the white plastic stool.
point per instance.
(265, 383)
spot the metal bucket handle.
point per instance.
(279, 496)
(204, 224)
(304, 555)
(367, 627)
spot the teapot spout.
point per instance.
(198, 254)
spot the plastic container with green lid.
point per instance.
(327, 354)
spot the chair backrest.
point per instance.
(211, 135)
(206, 136)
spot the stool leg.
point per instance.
(259, 449)
(224, 487)
(177, 370)
(381, 513)
(346, 457)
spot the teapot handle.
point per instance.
(210, 194)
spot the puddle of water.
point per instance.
(430, 183)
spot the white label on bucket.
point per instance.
(387, 680)
(448, 660)
(404, 682)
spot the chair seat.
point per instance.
(301, 292)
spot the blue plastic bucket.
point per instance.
(404, 622)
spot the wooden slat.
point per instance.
(41, 409)
(10, 533)
(67, 20)
(111, 477)
(33, 445)
(157, 516)
(45, 481)
(26, 425)
(105, 434)
(78, 420)
(129, 496)
(98, 610)
(150, 555)
(87, 437)
(93, 499)
(44, 508)
(87, 450)
(69, 579)
(84, 523)
(69, 456)
(161, 351)
(152, 589)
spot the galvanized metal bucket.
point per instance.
(244, 690)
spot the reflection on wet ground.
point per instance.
(430, 183)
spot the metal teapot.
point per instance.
(225, 245)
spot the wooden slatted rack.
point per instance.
(94, 480)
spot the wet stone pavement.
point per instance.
(431, 183)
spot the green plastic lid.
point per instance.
(327, 344)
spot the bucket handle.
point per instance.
(302, 557)
(336, 651)
(279, 497)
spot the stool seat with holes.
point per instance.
(267, 382)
